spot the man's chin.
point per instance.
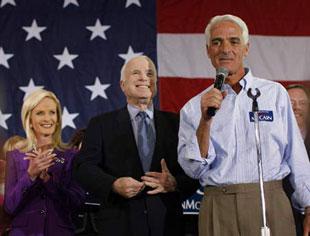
(144, 100)
(225, 63)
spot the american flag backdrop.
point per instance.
(76, 49)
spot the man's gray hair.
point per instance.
(234, 19)
(142, 56)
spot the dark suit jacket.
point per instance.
(109, 151)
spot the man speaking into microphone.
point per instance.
(219, 148)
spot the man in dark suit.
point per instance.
(129, 161)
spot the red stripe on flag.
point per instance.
(175, 92)
(287, 83)
(276, 17)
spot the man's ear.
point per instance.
(247, 47)
(122, 85)
(207, 50)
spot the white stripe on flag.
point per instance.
(278, 58)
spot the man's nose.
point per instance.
(144, 77)
(296, 105)
(226, 46)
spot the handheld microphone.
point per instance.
(221, 74)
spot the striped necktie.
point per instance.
(146, 140)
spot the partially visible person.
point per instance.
(9, 145)
(128, 160)
(2, 176)
(39, 191)
(300, 100)
(2, 173)
(84, 217)
(76, 140)
(14, 142)
(4, 218)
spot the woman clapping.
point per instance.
(39, 192)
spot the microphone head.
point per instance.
(222, 71)
(221, 74)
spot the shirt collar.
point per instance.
(247, 79)
(133, 111)
(245, 82)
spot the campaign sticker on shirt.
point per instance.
(262, 116)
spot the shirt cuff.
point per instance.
(192, 152)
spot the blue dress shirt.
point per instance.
(232, 154)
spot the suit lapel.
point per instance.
(128, 142)
(157, 156)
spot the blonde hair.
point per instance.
(14, 142)
(31, 101)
